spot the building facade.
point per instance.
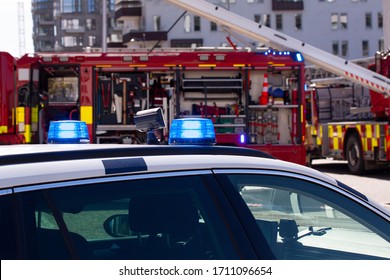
(72, 25)
(350, 29)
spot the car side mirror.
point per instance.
(117, 225)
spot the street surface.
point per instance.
(374, 184)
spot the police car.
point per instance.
(139, 202)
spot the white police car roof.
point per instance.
(33, 164)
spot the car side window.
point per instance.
(146, 218)
(304, 220)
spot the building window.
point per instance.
(257, 18)
(380, 20)
(71, 6)
(64, 24)
(365, 48)
(157, 23)
(186, 43)
(279, 22)
(91, 24)
(45, 17)
(92, 41)
(335, 47)
(118, 24)
(70, 24)
(196, 23)
(187, 23)
(334, 20)
(91, 6)
(267, 20)
(343, 21)
(45, 44)
(339, 21)
(344, 48)
(69, 41)
(112, 23)
(298, 22)
(45, 31)
(115, 38)
(368, 17)
(112, 5)
(213, 26)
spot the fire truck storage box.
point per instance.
(334, 104)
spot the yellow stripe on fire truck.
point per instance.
(86, 114)
(372, 135)
(371, 138)
(318, 134)
(335, 134)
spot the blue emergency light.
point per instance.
(242, 139)
(192, 131)
(298, 57)
(68, 132)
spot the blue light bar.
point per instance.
(68, 132)
(192, 131)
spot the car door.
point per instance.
(305, 218)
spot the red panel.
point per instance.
(229, 139)
(86, 86)
(291, 153)
(12, 139)
(7, 101)
(380, 105)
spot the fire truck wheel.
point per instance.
(355, 155)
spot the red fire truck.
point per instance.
(350, 122)
(364, 143)
(8, 102)
(255, 98)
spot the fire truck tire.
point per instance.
(354, 153)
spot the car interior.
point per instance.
(165, 225)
